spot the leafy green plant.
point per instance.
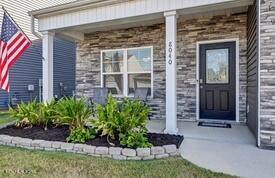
(81, 135)
(116, 121)
(33, 113)
(45, 114)
(25, 113)
(73, 112)
(135, 139)
(108, 117)
(134, 116)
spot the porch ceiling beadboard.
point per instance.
(90, 12)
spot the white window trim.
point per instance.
(125, 73)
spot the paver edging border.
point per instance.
(118, 153)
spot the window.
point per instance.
(124, 70)
(217, 66)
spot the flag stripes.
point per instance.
(13, 43)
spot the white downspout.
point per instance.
(39, 37)
(33, 28)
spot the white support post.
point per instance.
(47, 53)
(171, 72)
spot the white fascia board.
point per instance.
(69, 7)
(128, 9)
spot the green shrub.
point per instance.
(81, 135)
(34, 113)
(25, 113)
(46, 114)
(108, 118)
(134, 116)
(73, 112)
(116, 121)
(134, 140)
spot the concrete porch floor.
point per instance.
(231, 151)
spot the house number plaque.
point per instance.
(170, 50)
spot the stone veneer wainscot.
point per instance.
(189, 32)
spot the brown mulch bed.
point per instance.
(60, 133)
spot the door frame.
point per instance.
(237, 104)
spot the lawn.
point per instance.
(16, 162)
(5, 118)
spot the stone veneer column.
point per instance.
(171, 72)
(267, 73)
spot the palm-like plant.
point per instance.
(45, 114)
(116, 121)
(25, 113)
(33, 113)
(73, 112)
(108, 118)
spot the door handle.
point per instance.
(201, 81)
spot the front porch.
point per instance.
(172, 34)
(239, 133)
(226, 150)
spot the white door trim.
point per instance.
(237, 74)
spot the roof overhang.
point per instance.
(87, 16)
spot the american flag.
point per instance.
(13, 43)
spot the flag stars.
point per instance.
(8, 29)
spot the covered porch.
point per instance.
(172, 30)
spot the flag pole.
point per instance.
(5, 11)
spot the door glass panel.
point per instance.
(217, 66)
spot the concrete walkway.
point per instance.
(231, 151)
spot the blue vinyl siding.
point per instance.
(64, 67)
(28, 70)
(252, 70)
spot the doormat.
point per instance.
(214, 124)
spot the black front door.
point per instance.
(217, 81)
